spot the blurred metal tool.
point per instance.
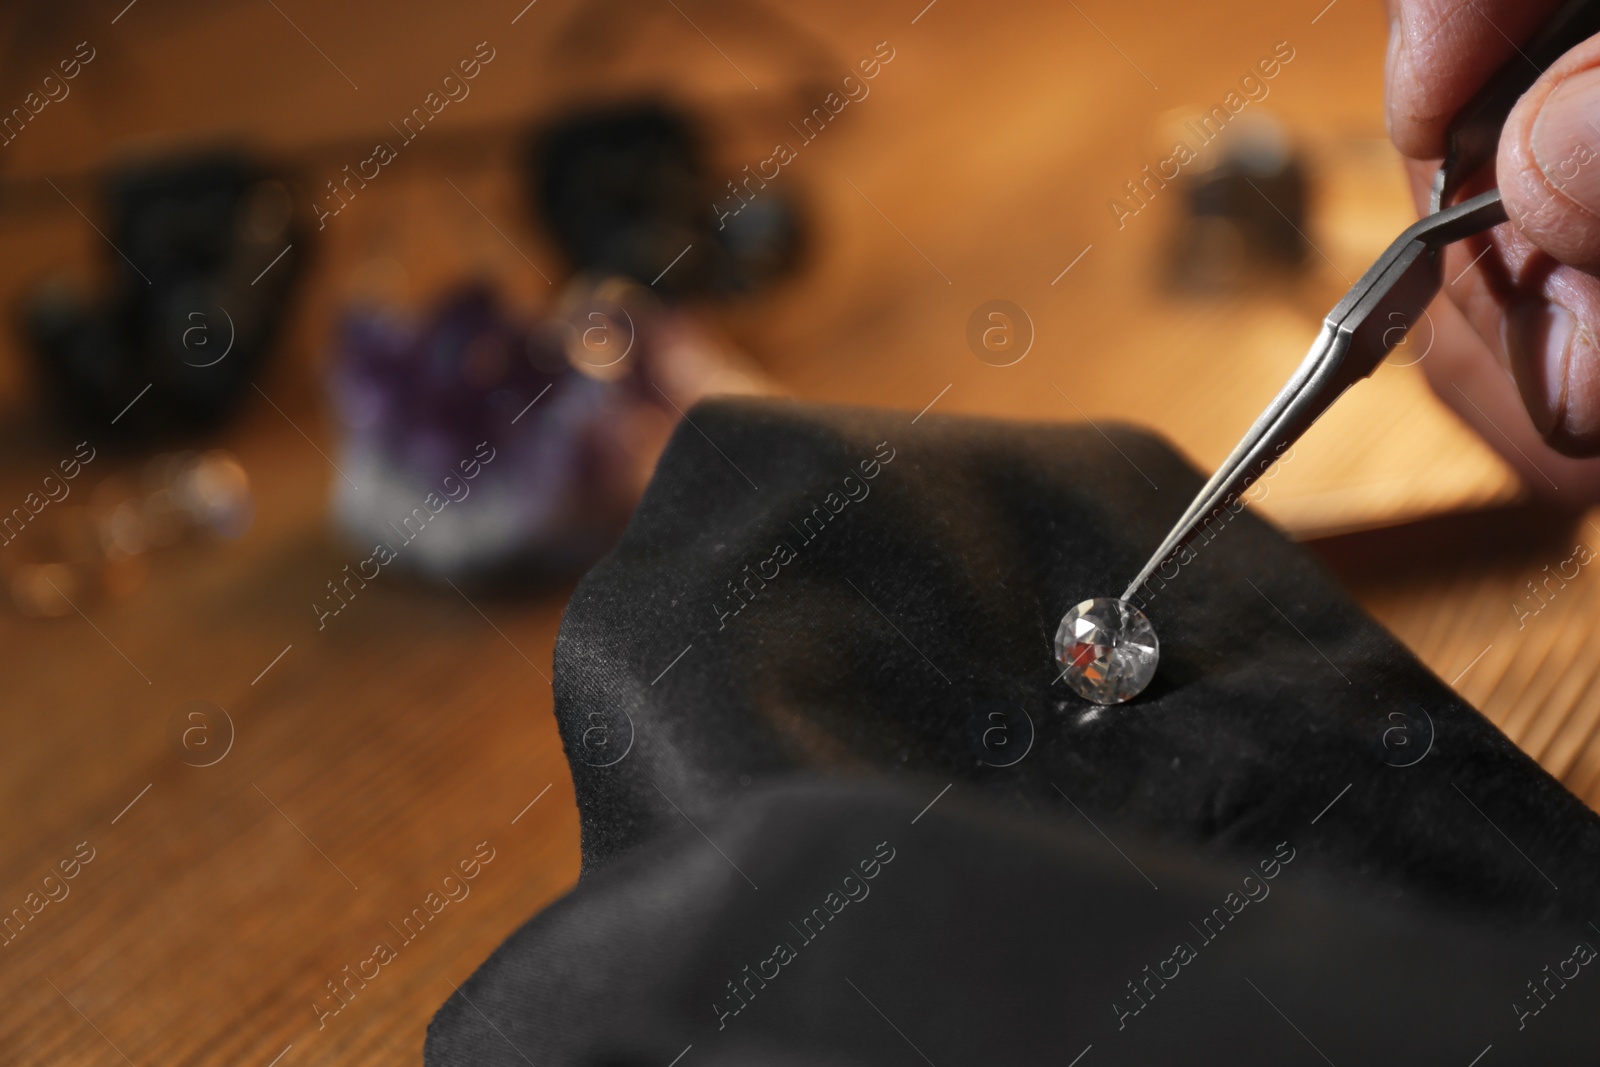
(1377, 312)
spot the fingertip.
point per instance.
(1576, 429)
(1441, 52)
(1413, 136)
(1555, 363)
(1549, 161)
(1538, 337)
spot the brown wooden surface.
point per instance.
(375, 755)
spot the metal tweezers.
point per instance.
(1377, 312)
(1356, 336)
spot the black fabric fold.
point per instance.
(912, 634)
(811, 594)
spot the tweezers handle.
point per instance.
(1474, 136)
(1356, 336)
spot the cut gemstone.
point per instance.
(1108, 650)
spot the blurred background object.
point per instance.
(82, 553)
(625, 190)
(597, 379)
(429, 405)
(200, 259)
(1245, 212)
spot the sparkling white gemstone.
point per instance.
(1107, 649)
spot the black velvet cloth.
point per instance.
(819, 618)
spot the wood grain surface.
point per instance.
(372, 758)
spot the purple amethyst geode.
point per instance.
(475, 445)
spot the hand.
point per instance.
(1534, 296)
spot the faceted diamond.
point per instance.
(1108, 649)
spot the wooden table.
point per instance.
(373, 757)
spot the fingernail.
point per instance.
(1391, 63)
(1566, 139)
(1538, 338)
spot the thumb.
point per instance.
(1549, 165)
(1549, 296)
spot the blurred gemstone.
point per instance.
(1108, 650)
